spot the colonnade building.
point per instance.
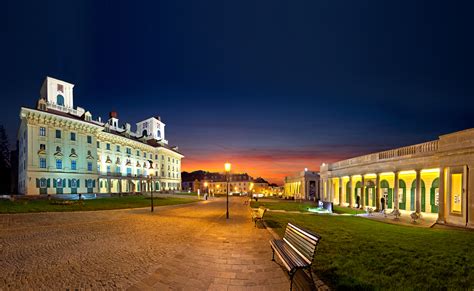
(432, 177)
(63, 150)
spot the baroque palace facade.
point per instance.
(432, 177)
(63, 150)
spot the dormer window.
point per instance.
(60, 100)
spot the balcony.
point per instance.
(421, 149)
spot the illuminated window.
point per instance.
(59, 164)
(456, 193)
(42, 163)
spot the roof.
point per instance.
(152, 143)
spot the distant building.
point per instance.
(63, 150)
(216, 183)
(305, 185)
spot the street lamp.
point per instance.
(207, 189)
(150, 180)
(227, 172)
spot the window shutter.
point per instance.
(78, 183)
(37, 183)
(93, 183)
(54, 183)
(64, 183)
(48, 183)
(69, 183)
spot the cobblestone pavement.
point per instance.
(188, 246)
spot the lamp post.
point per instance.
(150, 179)
(227, 172)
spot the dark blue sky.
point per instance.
(272, 86)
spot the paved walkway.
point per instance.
(187, 247)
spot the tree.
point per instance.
(5, 166)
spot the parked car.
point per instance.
(258, 195)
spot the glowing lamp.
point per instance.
(227, 167)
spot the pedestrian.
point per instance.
(358, 201)
(382, 201)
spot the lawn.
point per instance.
(290, 205)
(359, 253)
(21, 206)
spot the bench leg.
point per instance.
(291, 281)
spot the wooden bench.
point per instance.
(296, 250)
(258, 214)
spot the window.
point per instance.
(42, 163)
(108, 169)
(58, 133)
(129, 151)
(73, 183)
(60, 100)
(168, 159)
(98, 145)
(129, 171)
(117, 148)
(73, 136)
(42, 147)
(59, 164)
(151, 156)
(138, 153)
(163, 157)
(144, 154)
(138, 171)
(59, 183)
(42, 131)
(89, 139)
(107, 146)
(73, 165)
(43, 183)
(117, 169)
(89, 166)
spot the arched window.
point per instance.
(60, 100)
(158, 133)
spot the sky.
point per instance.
(271, 86)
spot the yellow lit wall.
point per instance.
(456, 193)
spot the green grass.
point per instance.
(284, 205)
(300, 206)
(22, 206)
(359, 253)
(346, 210)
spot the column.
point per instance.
(119, 185)
(351, 193)
(362, 192)
(378, 203)
(442, 198)
(108, 185)
(395, 191)
(328, 187)
(340, 191)
(418, 192)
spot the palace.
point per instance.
(432, 177)
(63, 150)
